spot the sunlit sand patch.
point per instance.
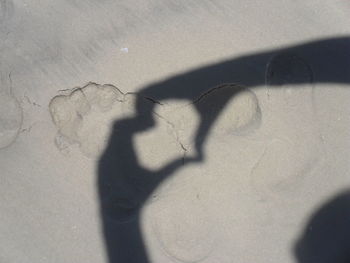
(241, 115)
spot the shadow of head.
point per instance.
(326, 238)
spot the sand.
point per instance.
(274, 154)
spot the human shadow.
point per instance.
(124, 184)
(326, 237)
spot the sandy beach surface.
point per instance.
(174, 131)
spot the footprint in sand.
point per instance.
(85, 116)
(296, 145)
(287, 71)
(183, 229)
(241, 115)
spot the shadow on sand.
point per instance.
(326, 237)
(124, 185)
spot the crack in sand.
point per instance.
(177, 138)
